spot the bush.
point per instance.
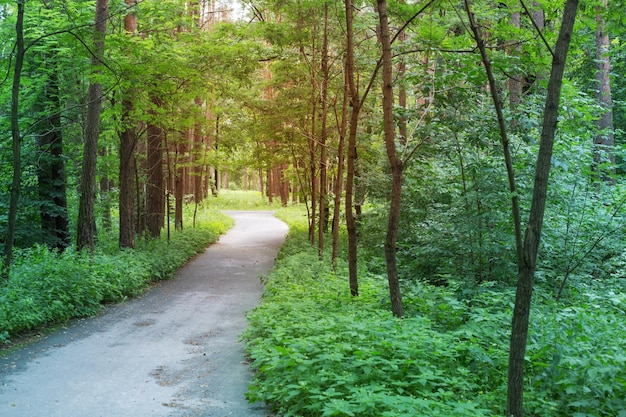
(319, 352)
(46, 287)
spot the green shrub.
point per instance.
(319, 352)
(46, 287)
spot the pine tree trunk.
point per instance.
(394, 162)
(16, 138)
(355, 107)
(86, 226)
(155, 192)
(604, 156)
(128, 141)
(323, 138)
(51, 172)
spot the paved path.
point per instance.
(172, 352)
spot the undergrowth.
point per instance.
(317, 351)
(45, 287)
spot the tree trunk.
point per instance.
(355, 107)
(394, 162)
(16, 138)
(128, 141)
(105, 196)
(86, 227)
(155, 193)
(323, 138)
(179, 174)
(604, 157)
(52, 181)
(521, 311)
(340, 166)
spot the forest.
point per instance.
(452, 173)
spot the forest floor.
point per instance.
(174, 351)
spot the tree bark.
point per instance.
(523, 296)
(51, 177)
(340, 170)
(86, 227)
(16, 138)
(355, 107)
(323, 138)
(394, 162)
(155, 193)
(604, 157)
(128, 142)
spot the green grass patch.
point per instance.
(45, 287)
(317, 351)
(242, 200)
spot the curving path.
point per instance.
(172, 352)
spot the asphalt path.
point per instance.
(174, 351)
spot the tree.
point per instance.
(86, 228)
(51, 169)
(15, 137)
(355, 107)
(604, 156)
(528, 261)
(394, 162)
(128, 140)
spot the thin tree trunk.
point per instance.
(508, 160)
(16, 138)
(105, 196)
(323, 138)
(355, 107)
(523, 296)
(604, 157)
(86, 227)
(155, 193)
(394, 161)
(340, 168)
(179, 172)
(128, 142)
(313, 151)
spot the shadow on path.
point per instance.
(172, 352)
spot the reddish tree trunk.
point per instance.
(394, 161)
(86, 226)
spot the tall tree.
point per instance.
(394, 162)
(128, 141)
(155, 191)
(355, 107)
(528, 262)
(323, 214)
(604, 156)
(15, 137)
(51, 168)
(86, 227)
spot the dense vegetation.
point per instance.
(46, 288)
(415, 127)
(317, 351)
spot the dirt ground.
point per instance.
(174, 351)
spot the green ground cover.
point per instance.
(318, 352)
(46, 288)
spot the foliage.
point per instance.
(318, 352)
(45, 287)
